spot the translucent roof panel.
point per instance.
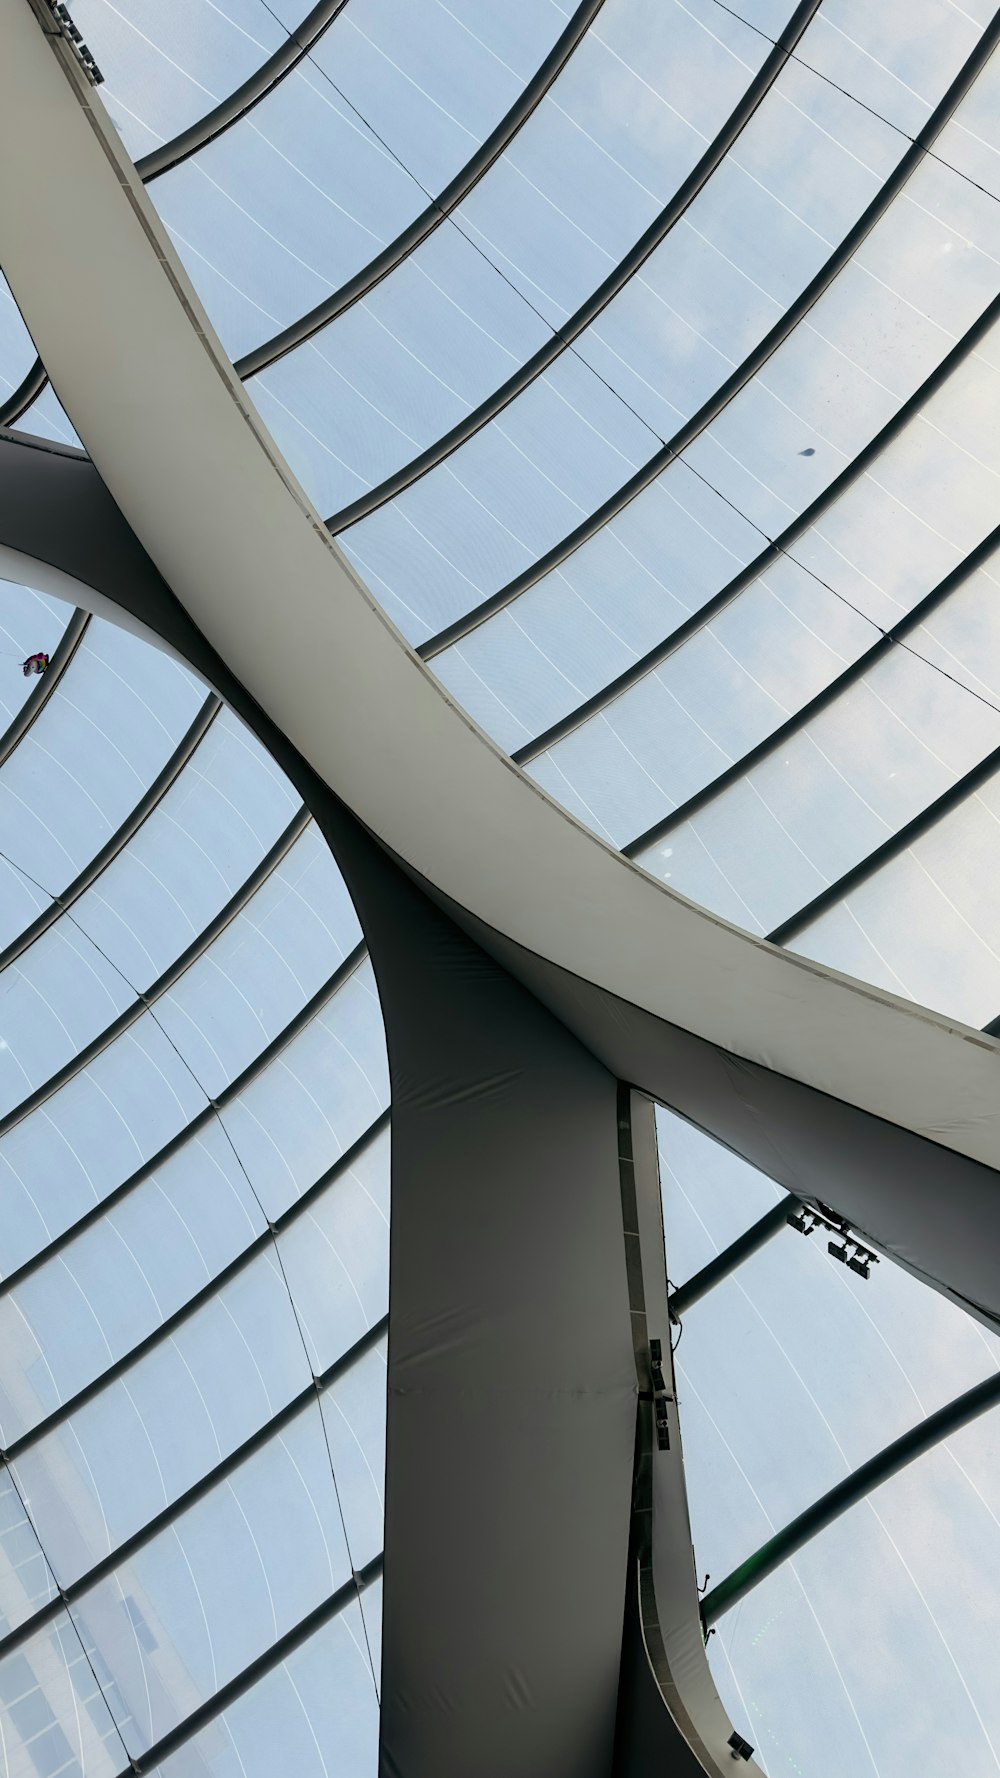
(30, 623)
(194, 1182)
(790, 1373)
(317, 1710)
(165, 67)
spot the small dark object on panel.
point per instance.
(35, 663)
(810, 451)
(740, 1749)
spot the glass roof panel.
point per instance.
(353, 1410)
(627, 588)
(26, 1580)
(194, 1606)
(790, 1373)
(285, 206)
(270, 960)
(201, 842)
(335, 1256)
(317, 1097)
(55, 1718)
(55, 1001)
(63, 1326)
(118, 714)
(709, 1195)
(583, 178)
(926, 501)
(872, 1651)
(770, 1347)
(786, 159)
(164, 1243)
(145, 1438)
(65, 1473)
(316, 1714)
(30, 623)
(926, 925)
(831, 793)
(91, 1135)
(166, 66)
(904, 57)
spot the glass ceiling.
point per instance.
(194, 1148)
(644, 357)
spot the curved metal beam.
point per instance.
(766, 1047)
(45, 685)
(28, 390)
(744, 372)
(732, 1257)
(563, 336)
(854, 1488)
(222, 516)
(168, 979)
(59, 904)
(771, 553)
(233, 109)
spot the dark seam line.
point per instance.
(732, 1257)
(563, 337)
(292, 1030)
(144, 1001)
(258, 1669)
(773, 550)
(170, 154)
(41, 692)
(800, 718)
(166, 1329)
(127, 831)
(744, 373)
(232, 110)
(890, 848)
(437, 211)
(850, 1492)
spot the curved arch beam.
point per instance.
(219, 512)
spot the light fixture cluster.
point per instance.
(67, 29)
(847, 1249)
(660, 1395)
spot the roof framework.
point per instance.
(490, 912)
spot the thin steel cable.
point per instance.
(793, 56)
(643, 421)
(151, 1009)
